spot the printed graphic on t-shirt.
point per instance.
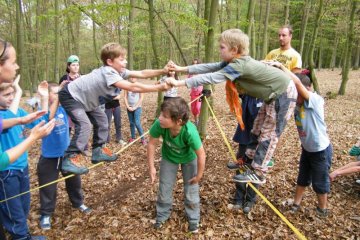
(172, 147)
(300, 114)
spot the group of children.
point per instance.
(282, 93)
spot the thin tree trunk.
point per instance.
(357, 55)
(209, 49)
(287, 10)
(265, 48)
(304, 21)
(312, 46)
(334, 52)
(57, 42)
(20, 39)
(130, 58)
(350, 39)
(319, 60)
(250, 17)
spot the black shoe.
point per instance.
(323, 213)
(193, 228)
(158, 225)
(248, 206)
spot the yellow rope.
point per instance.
(294, 229)
(91, 167)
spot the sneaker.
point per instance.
(143, 142)
(38, 238)
(84, 209)
(122, 142)
(271, 163)
(101, 154)
(235, 165)
(45, 223)
(354, 151)
(323, 213)
(248, 206)
(249, 176)
(193, 228)
(130, 140)
(71, 164)
(158, 225)
(237, 206)
(358, 181)
(294, 208)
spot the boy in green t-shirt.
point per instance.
(181, 145)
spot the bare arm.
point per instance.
(349, 168)
(200, 153)
(44, 95)
(8, 123)
(147, 73)
(39, 131)
(140, 87)
(151, 157)
(18, 93)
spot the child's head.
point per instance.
(73, 64)
(173, 74)
(53, 91)
(110, 51)
(174, 111)
(305, 80)
(236, 39)
(8, 65)
(196, 61)
(7, 93)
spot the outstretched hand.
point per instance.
(31, 117)
(41, 130)
(171, 82)
(43, 89)
(272, 63)
(172, 66)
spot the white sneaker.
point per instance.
(122, 142)
(85, 209)
(358, 181)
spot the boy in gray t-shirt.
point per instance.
(81, 100)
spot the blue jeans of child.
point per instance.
(135, 121)
(116, 112)
(14, 212)
(168, 172)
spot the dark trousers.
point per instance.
(84, 121)
(14, 212)
(48, 171)
(116, 112)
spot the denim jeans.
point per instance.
(116, 112)
(14, 212)
(168, 172)
(135, 121)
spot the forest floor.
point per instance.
(123, 200)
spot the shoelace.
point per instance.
(76, 159)
(107, 151)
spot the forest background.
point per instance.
(45, 33)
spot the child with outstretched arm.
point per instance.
(254, 78)
(181, 146)
(82, 98)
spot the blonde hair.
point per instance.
(111, 51)
(236, 38)
(5, 86)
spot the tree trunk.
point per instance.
(319, 60)
(334, 52)
(57, 42)
(96, 54)
(250, 17)
(155, 52)
(209, 49)
(357, 55)
(130, 58)
(20, 39)
(238, 7)
(350, 39)
(304, 21)
(312, 46)
(287, 10)
(266, 25)
(260, 34)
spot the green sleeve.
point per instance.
(4, 160)
(156, 130)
